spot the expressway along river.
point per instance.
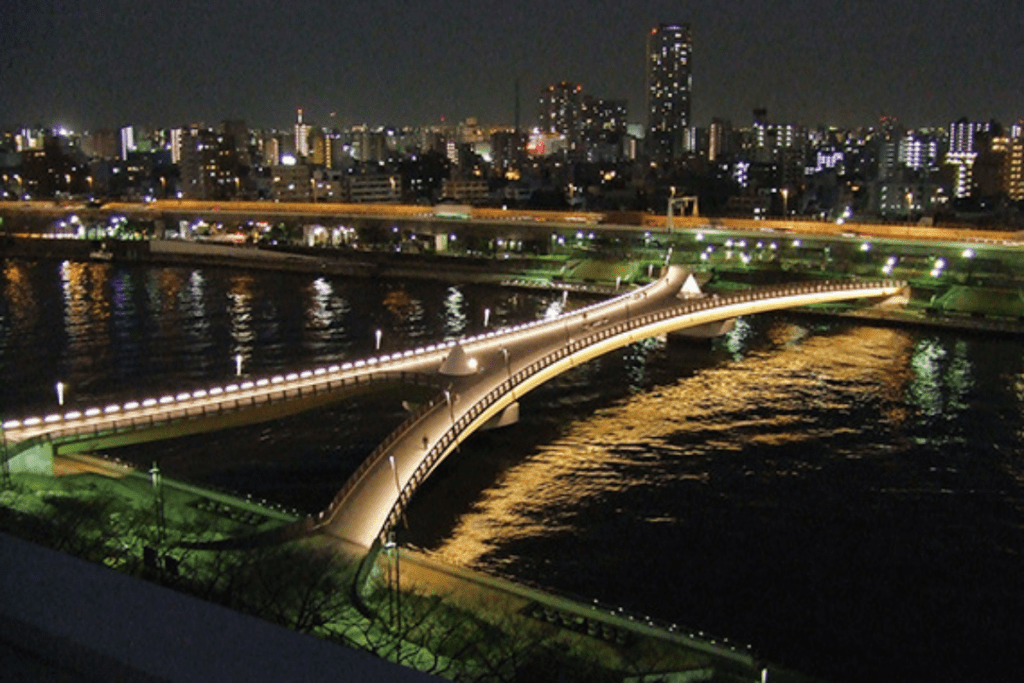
(849, 499)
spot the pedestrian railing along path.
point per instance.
(202, 405)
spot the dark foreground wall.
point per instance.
(69, 620)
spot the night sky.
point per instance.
(106, 63)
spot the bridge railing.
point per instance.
(178, 406)
(690, 306)
(78, 426)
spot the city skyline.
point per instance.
(112, 63)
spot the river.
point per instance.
(849, 499)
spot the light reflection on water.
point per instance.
(665, 438)
(454, 314)
(240, 316)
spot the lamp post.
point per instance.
(238, 364)
(60, 393)
(3, 456)
(451, 407)
(671, 206)
(398, 573)
(158, 497)
(487, 317)
(508, 365)
(377, 336)
(785, 202)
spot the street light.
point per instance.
(238, 364)
(377, 335)
(487, 317)
(785, 202)
(398, 572)
(451, 407)
(60, 393)
(508, 365)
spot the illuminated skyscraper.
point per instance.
(560, 109)
(127, 141)
(301, 137)
(668, 87)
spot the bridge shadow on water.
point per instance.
(298, 461)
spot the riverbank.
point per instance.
(163, 511)
(594, 276)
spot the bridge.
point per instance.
(471, 383)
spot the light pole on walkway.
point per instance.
(398, 572)
(3, 456)
(377, 336)
(60, 393)
(508, 365)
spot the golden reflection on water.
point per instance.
(759, 399)
(18, 294)
(240, 314)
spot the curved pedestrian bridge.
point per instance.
(474, 382)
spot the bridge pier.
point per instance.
(508, 416)
(708, 330)
(36, 459)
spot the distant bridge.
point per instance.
(474, 382)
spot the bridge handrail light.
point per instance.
(291, 376)
(11, 424)
(320, 371)
(247, 385)
(343, 366)
(230, 388)
(183, 396)
(216, 391)
(91, 412)
(199, 393)
(73, 415)
(262, 382)
(131, 405)
(113, 408)
(359, 364)
(276, 379)
(53, 418)
(30, 422)
(371, 361)
(164, 400)
(305, 374)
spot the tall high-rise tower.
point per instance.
(301, 137)
(668, 87)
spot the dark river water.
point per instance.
(848, 499)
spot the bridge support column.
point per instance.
(36, 459)
(897, 300)
(708, 330)
(507, 417)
